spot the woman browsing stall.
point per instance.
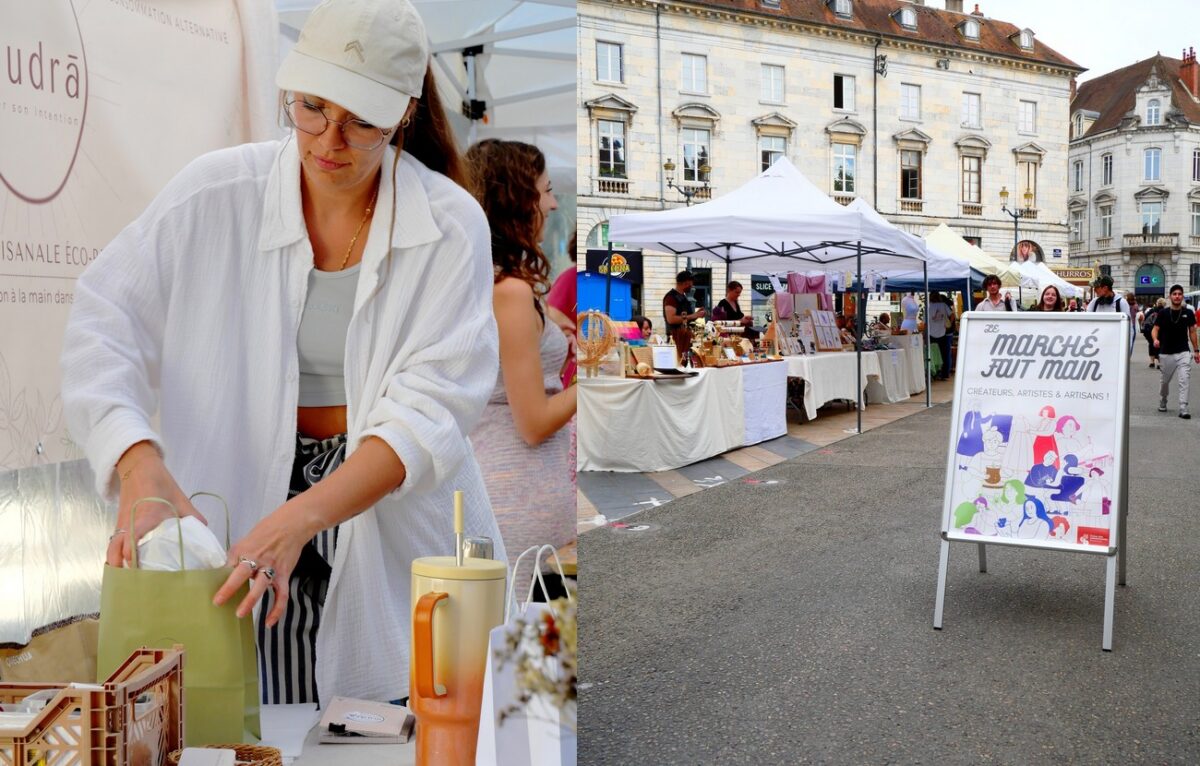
(272, 307)
(523, 440)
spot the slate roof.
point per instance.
(1114, 95)
(935, 26)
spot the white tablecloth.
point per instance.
(892, 385)
(634, 425)
(830, 376)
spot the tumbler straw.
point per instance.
(458, 527)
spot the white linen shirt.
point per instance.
(193, 312)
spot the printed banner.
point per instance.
(101, 102)
(1036, 441)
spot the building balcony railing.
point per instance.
(1029, 214)
(699, 192)
(972, 208)
(911, 205)
(842, 198)
(1150, 242)
(612, 186)
(1196, 240)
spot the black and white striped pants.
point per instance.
(287, 651)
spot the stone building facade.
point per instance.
(926, 113)
(1134, 175)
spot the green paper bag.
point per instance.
(159, 609)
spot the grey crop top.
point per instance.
(322, 338)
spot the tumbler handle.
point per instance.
(423, 644)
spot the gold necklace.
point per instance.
(363, 222)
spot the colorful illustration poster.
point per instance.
(1036, 441)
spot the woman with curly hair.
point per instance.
(523, 441)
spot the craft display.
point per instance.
(595, 339)
(807, 336)
(827, 336)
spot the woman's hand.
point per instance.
(266, 558)
(143, 474)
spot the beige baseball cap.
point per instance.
(367, 56)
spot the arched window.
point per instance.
(971, 30)
(1153, 112)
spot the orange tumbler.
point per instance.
(454, 610)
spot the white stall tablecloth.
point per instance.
(830, 376)
(892, 385)
(914, 358)
(634, 425)
(764, 389)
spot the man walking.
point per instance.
(992, 300)
(1106, 301)
(1173, 327)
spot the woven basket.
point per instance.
(247, 755)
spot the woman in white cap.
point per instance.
(281, 307)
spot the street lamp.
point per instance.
(1016, 215)
(687, 191)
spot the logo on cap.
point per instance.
(355, 46)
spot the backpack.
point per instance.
(1148, 321)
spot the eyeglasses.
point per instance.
(312, 119)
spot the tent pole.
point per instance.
(728, 276)
(928, 394)
(608, 281)
(858, 387)
(928, 371)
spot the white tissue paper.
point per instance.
(159, 548)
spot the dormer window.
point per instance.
(1025, 39)
(970, 29)
(771, 4)
(907, 18)
(1154, 112)
(841, 8)
(1078, 125)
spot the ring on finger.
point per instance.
(248, 562)
(268, 572)
(115, 533)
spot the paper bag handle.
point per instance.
(422, 658)
(133, 525)
(195, 495)
(509, 601)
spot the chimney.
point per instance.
(954, 5)
(1189, 72)
(1073, 90)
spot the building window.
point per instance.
(1105, 214)
(1077, 176)
(908, 18)
(970, 29)
(970, 110)
(1151, 216)
(1153, 112)
(1196, 219)
(1027, 117)
(843, 92)
(695, 73)
(971, 172)
(612, 148)
(770, 148)
(1106, 170)
(770, 3)
(910, 102)
(844, 168)
(1152, 164)
(1078, 125)
(1196, 164)
(771, 86)
(1026, 40)
(842, 8)
(695, 154)
(1076, 225)
(608, 62)
(1027, 182)
(910, 174)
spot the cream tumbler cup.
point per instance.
(454, 611)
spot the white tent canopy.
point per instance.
(941, 265)
(774, 223)
(946, 240)
(1042, 276)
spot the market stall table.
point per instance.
(893, 383)
(830, 376)
(638, 425)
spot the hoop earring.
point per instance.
(405, 122)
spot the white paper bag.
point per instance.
(537, 736)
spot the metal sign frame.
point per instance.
(1115, 552)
